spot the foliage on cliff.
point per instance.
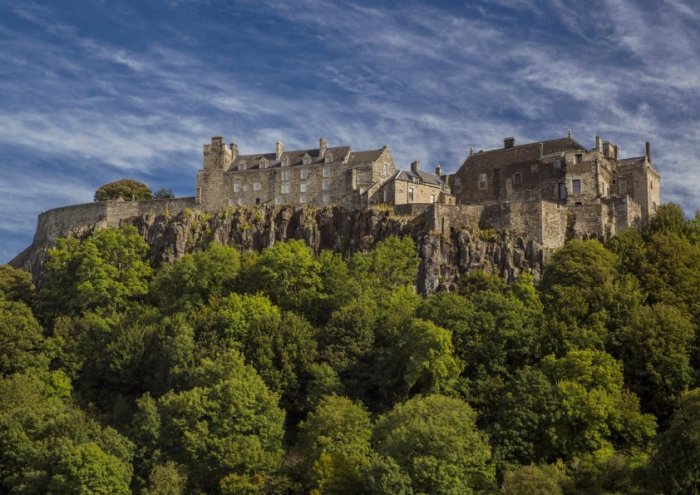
(289, 372)
(126, 189)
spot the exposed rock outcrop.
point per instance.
(444, 258)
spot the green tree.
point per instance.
(16, 285)
(126, 189)
(196, 278)
(47, 445)
(289, 274)
(163, 193)
(434, 440)
(676, 460)
(655, 347)
(534, 480)
(392, 263)
(167, 479)
(334, 441)
(228, 423)
(22, 343)
(106, 271)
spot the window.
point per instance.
(256, 186)
(326, 171)
(199, 195)
(576, 186)
(284, 161)
(302, 187)
(326, 198)
(533, 168)
(622, 186)
(302, 198)
(242, 166)
(277, 200)
(562, 192)
(517, 178)
(285, 188)
(326, 185)
(410, 195)
(385, 169)
(329, 158)
(285, 174)
(306, 159)
(432, 198)
(236, 187)
(386, 194)
(240, 202)
(245, 187)
(263, 163)
(482, 180)
(362, 178)
(303, 173)
(579, 158)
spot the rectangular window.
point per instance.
(326, 198)
(256, 186)
(285, 174)
(302, 198)
(277, 200)
(576, 186)
(362, 178)
(245, 187)
(326, 185)
(303, 174)
(562, 192)
(302, 187)
(199, 195)
(432, 198)
(482, 180)
(410, 195)
(579, 158)
(285, 188)
(385, 169)
(622, 186)
(236, 187)
(326, 171)
(533, 168)
(517, 178)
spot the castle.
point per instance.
(545, 190)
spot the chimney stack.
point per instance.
(415, 166)
(322, 145)
(234, 150)
(508, 142)
(598, 144)
(648, 151)
(438, 170)
(279, 149)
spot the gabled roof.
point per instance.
(523, 153)
(423, 177)
(295, 157)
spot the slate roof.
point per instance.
(523, 153)
(423, 177)
(295, 157)
(632, 161)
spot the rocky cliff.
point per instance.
(443, 257)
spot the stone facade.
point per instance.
(417, 187)
(322, 176)
(597, 192)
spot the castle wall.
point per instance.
(59, 222)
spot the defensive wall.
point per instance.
(59, 222)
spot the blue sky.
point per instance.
(94, 91)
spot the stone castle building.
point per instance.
(321, 176)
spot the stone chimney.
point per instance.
(217, 142)
(648, 151)
(415, 166)
(279, 149)
(541, 150)
(322, 146)
(438, 170)
(607, 149)
(234, 151)
(598, 144)
(508, 142)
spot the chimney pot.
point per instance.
(415, 166)
(648, 151)
(279, 149)
(438, 170)
(508, 142)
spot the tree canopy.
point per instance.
(126, 189)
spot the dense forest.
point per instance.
(285, 372)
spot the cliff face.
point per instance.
(443, 257)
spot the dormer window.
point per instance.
(306, 159)
(263, 163)
(284, 161)
(329, 158)
(242, 166)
